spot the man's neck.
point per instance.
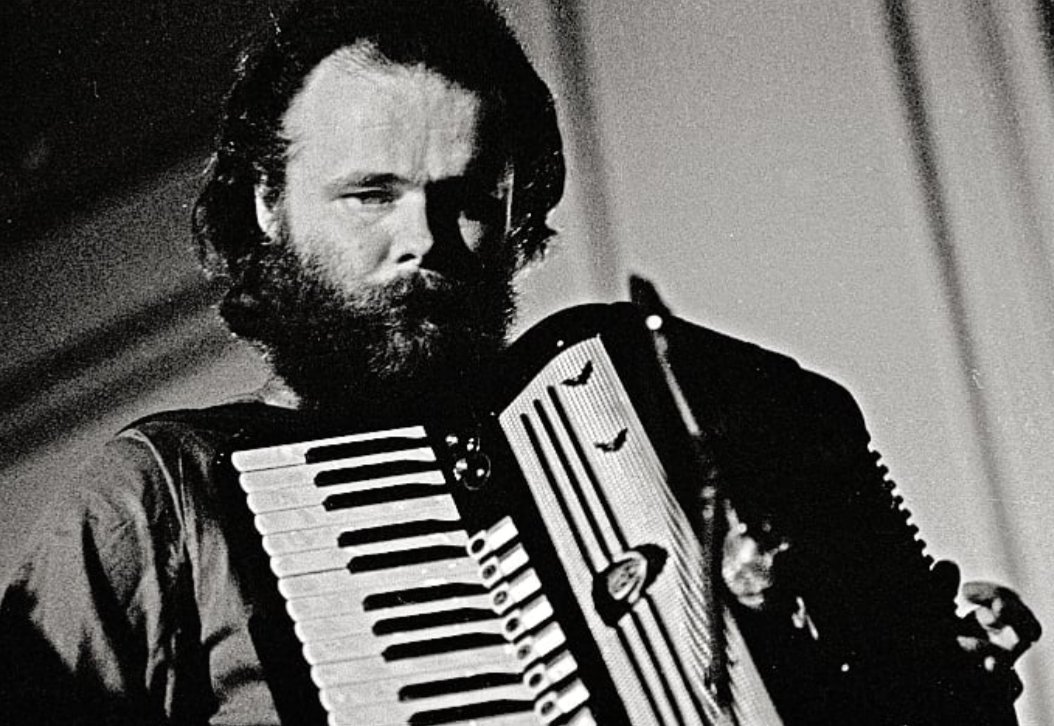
(275, 392)
(439, 403)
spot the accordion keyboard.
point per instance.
(398, 622)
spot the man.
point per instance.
(381, 173)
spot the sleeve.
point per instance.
(84, 632)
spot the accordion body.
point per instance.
(532, 558)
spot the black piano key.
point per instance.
(457, 685)
(387, 626)
(397, 531)
(418, 595)
(487, 709)
(399, 558)
(379, 495)
(439, 646)
(352, 449)
(367, 472)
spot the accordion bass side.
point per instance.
(534, 563)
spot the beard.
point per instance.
(418, 340)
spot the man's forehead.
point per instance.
(358, 114)
(352, 85)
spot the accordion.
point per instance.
(539, 561)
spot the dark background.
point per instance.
(95, 94)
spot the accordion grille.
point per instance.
(604, 495)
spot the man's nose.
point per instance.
(430, 237)
(414, 237)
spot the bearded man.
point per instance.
(382, 171)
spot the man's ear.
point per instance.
(265, 213)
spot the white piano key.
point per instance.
(312, 561)
(520, 620)
(337, 557)
(512, 719)
(294, 454)
(347, 667)
(547, 640)
(485, 542)
(374, 713)
(292, 476)
(284, 543)
(523, 586)
(348, 626)
(348, 603)
(517, 719)
(371, 515)
(496, 568)
(461, 569)
(307, 494)
(542, 675)
(555, 704)
(318, 606)
(344, 697)
(582, 718)
(506, 594)
(343, 660)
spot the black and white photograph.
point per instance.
(526, 362)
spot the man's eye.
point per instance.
(483, 207)
(370, 197)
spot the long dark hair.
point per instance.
(466, 41)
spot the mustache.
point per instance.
(452, 259)
(420, 291)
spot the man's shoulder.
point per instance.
(227, 418)
(751, 378)
(695, 351)
(213, 430)
(173, 426)
(749, 360)
(217, 431)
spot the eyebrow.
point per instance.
(388, 180)
(367, 180)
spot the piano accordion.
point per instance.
(536, 563)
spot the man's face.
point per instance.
(385, 172)
(390, 269)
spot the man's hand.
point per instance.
(1000, 628)
(747, 563)
(997, 630)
